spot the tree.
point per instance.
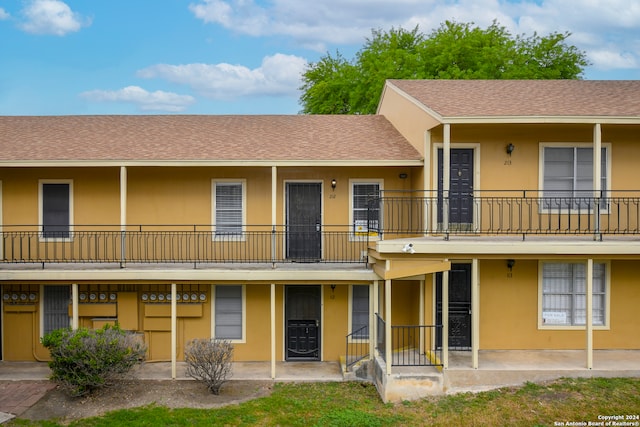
(334, 85)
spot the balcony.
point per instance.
(520, 213)
(182, 244)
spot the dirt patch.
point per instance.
(134, 393)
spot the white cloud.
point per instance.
(146, 101)
(600, 26)
(51, 17)
(3, 14)
(278, 75)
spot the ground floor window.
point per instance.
(564, 288)
(55, 308)
(360, 311)
(229, 309)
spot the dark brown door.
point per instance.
(460, 186)
(304, 221)
(302, 316)
(459, 307)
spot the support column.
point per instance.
(475, 312)
(123, 214)
(597, 174)
(446, 176)
(387, 323)
(274, 192)
(273, 331)
(421, 322)
(74, 307)
(174, 329)
(426, 183)
(445, 319)
(373, 322)
(589, 316)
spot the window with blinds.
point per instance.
(55, 314)
(564, 287)
(55, 210)
(360, 311)
(363, 219)
(228, 207)
(568, 177)
(228, 312)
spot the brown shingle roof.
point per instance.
(204, 138)
(526, 98)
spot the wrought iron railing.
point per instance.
(412, 345)
(181, 244)
(507, 212)
(357, 346)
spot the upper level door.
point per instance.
(304, 221)
(460, 186)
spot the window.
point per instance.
(564, 288)
(55, 209)
(362, 218)
(360, 311)
(55, 308)
(568, 176)
(228, 208)
(229, 312)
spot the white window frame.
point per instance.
(350, 317)
(241, 340)
(607, 296)
(233, 236)
(354, 234)
(572, 210)
(41, 183)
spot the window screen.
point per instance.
(55, 210)
(360, 311)
(228, 312)
(363, 219)
(228, 204)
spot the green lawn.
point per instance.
(357, 404)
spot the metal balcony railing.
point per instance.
(196, 244)
(357, 347)
(506, 212)
(412, 345)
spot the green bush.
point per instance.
(209, 361)
(84, 360)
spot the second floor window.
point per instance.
(228, 208)
(568, 177)
(55, 210)
(366, 218)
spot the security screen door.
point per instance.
(304, 221)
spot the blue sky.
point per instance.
(62, 57)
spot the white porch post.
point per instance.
(74, 306)
(445, 319)
(373, 322)
(475, 312)
(387, 325)
(446, 175)
(421, 321)
(597, 172)
(174, 329)
(426, 181)
(589, 316)
(123, 213)
(274, 192)
(273, 330)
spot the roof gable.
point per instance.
(525, 98)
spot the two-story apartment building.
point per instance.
(329, 237)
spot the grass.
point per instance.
(357, 404)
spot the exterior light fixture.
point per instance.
(510, 148)
(408, 249)
(511, 263)
(333, 184)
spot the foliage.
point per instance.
(209, 361)
(84, 360)
(334, 85)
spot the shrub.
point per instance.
(209, 361)
(84, 360)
